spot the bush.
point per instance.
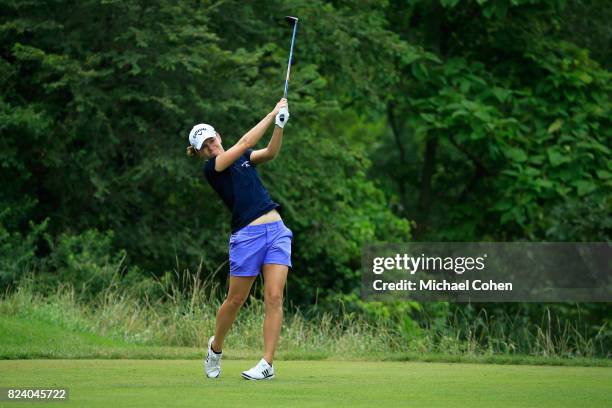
(87, 261)
(17, 252)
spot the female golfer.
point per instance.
(260, 241)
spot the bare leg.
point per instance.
(239, 288)
(275, 277)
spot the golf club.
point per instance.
(294, 22)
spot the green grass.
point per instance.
(117, 325)
(180, 383)
(32, 338)
(141, 361)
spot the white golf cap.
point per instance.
(199, 133)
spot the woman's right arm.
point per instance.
(248, 141)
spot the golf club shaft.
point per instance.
(290, 58)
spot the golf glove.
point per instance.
(282, 117)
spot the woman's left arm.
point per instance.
(268, 153)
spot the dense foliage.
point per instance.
(96, 106)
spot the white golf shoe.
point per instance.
(262, 371)
(212, 362)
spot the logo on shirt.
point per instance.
(246, 164)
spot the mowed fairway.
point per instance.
(180, 383)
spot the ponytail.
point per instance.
(191, 151)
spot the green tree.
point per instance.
(96, 105)
(508, 126)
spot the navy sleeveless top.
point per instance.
(241, 189)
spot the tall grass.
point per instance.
(503, 333)
(182, 313)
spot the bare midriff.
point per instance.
(270, 216)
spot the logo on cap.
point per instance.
(199, 133)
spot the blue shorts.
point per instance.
(256, 245)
